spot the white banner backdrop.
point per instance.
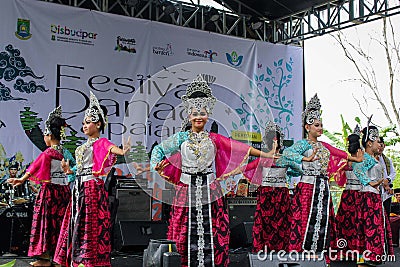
(53, 55)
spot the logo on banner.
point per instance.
(70, 35)
(234, 59)
(23, 29)
(163, 51)
(126, 44)
(205, 54)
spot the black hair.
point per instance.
(188, 127)
(354, 143)
(14, 166)
(197, 94)
(269, 140)
(103, 123)
(365, 137)
(56, 124)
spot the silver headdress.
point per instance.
(357, 130)
(273, 127)
(371, 134)
(312, 111)
(207, 102)
(95, 111)
(54, 114)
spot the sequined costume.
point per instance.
(85, 233)
(271, 228)
(199, 222)
(51, 201)
(312, 225)
(374, 231)
(348, 215)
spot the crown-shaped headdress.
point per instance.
(371, 134)
(312, 111)
(273, 127)
(199, 84)
(208, 102)
(56, 113)
(357, 130)
(95, 111)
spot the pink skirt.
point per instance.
(272, 219)
(86, 239)
(48, 213)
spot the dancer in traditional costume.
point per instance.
(199, 222)
(312, 225)
(348, 215)
(375, 233)
(85, 234)
(271, 227)
(54, 194)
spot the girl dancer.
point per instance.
(348, 215)
(54, 194)
(375, 233)
(85, 233)
(272, 216)
(312, 225)
(199, 221)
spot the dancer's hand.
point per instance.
(161, 166)
(16, 181)
(65, 166)
(359, 156)
(312, 157)
(126, 147)
(272, 153)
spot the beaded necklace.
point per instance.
(80, 153)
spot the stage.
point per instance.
(238, 259)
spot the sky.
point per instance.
(331, 75)
(328, 73)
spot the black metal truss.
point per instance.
(292, 29)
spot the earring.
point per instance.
(98, 127)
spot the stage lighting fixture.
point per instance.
(255, 23)
(168, 7)
(213, 14)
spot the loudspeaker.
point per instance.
(15, 224)
(137, 234)
(134, 205)
(241, 235)
(289, 260)
(241, 209)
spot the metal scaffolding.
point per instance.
(292, 29)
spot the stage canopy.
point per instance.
(276, 21)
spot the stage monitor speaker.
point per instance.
(241, 209)
(134, 205)
(137, 234)
(286, 261)
(15, 224)
(241, 235)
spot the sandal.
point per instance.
(41, 262)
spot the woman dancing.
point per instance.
(54, 193)
(374, 231)
(348, 215)
(199, 222)
(271, 227)
(312, 225)
(85, 233)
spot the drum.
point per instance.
(18, 195)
